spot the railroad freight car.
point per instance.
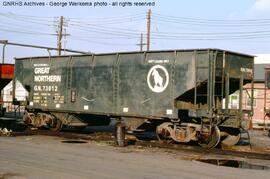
(266, 103)
(6, 75)
(177, 93)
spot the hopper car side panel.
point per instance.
(185, 86)
(117, 84)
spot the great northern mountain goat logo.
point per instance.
(158, 78)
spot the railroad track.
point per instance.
(202, 151)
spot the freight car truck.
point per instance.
(6, 75)
(177, 93)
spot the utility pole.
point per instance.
(148, 28)
(141, 44)
(3, 52)
(60, 34)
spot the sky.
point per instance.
(242, 26)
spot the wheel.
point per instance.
(212, 140)
(56, 125)
(162, 133)
(163, 139)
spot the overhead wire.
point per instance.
(213, 20)
(210, 24)
(117, 31)
(114, 29)
(102, 43)
(28, 20)
(105, 31)
(25, 32)
(103, 28)
(26, 16)
(21, 26)
(108, 17)
(122, 21)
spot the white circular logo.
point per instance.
(157, 78)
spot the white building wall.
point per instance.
(262, 58)
(20, 93)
